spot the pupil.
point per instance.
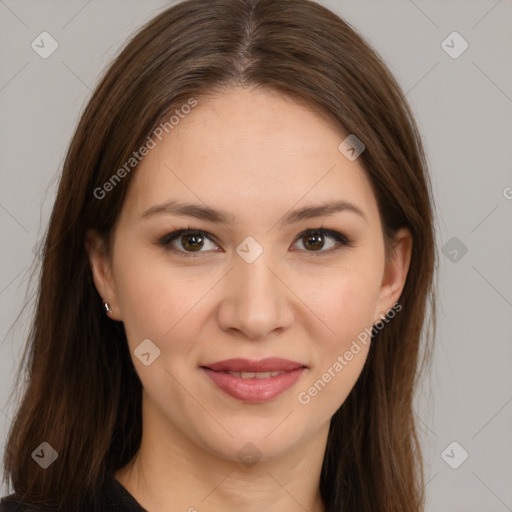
(316, 238)
(195, 240)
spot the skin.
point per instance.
(257, 155)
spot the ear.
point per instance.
(101, 267)
(395, 273)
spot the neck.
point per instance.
(170, 472)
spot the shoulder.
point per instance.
(13, 504)
(112, 497)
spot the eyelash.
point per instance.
(165, 241)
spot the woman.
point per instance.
(235, 278)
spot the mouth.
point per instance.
(252, 375)
(269, 364)
(254, 381)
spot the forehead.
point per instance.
(247, 150)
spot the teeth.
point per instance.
(255, 375)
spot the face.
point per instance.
(260, 272)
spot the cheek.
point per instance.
(345, 308)
(153, 295)
(343, 300)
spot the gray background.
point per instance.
(463, 107)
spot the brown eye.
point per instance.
(323, 241)
(192, 242)
(187, 242)
(313, 241)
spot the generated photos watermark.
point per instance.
(137, 156)
(304, 397)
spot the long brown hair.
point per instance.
(82, 393)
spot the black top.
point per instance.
(114, 497)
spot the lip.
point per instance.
(268, 364)
(254, 390)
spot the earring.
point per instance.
(107, 307)
(382, 317)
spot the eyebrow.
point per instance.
(218, 216)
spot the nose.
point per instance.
(255, 301)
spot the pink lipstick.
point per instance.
(254, 381)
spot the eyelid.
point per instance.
(167, 240)
(339, 237)
(342, 241)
